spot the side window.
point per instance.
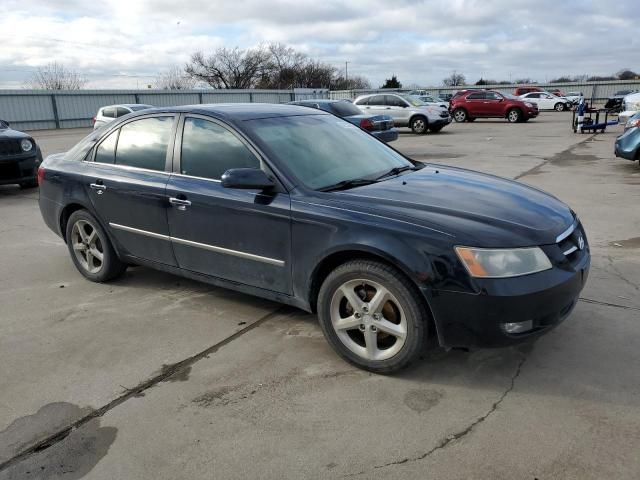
(143, 143)
(106, 151)
(209, 150)
(394, 101)
(109, 112)
(492, 96)
(121, 111)
(362, 101)
(376, 100)
(533, 95)
(476, 96)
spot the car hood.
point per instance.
(13, 134)
(477, 209)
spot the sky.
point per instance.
(125, 44)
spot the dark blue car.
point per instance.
(299, 206)
(628, 144)
(380, 126)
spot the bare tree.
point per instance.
(454, 80)
(55, 76)
(175, 78)
(229, 68)
(354, 82)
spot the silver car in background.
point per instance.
(111, 112)
(406, 110)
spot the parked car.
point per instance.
(20, 157)
(630, 106)
(574, 97)
(406, 110)
(547, 101)
(522, 90)
(628, 144)
(428, 97)
(111, 112)
(446, 96)
(431, 100)
(380, 126)
(294, 205)
(472, 104)
(614, 103)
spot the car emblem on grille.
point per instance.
(580, 242)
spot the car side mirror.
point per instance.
(246, 178)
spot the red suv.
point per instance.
(473, 104)
(522, 90)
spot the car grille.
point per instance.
(10, 147)
(574, 245)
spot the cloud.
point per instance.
(122, 43)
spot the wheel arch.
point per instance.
(418, 115)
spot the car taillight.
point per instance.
(40, 176)
(93, 120)
(366, 124)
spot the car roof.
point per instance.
(239, 111)
(128, 105)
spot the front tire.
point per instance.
(371, 316)
(419, 125)
(559, 107)
(460, 115)
(514, 115)
(90, 248)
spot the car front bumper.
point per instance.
(386, 136)
(19, 168)
(628, 144)
(478, 320)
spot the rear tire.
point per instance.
(419, 125)
(381, 334)
(90, 248)
(514, 115)
(460, 115)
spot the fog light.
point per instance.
(518, 327)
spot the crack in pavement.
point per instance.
(551, 159)
(165, 374)
(617, 273)
(607, 304)
(445, 442)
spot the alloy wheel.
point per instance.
(87, 246)
(513, 116)
(368, 319)
(419, 125)
(459, 116)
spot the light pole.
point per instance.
(346, 72)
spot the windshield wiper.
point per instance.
(397, 170)
(346, 184)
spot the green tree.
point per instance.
(392, 83)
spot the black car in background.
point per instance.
(380, 126)
(298, 206)
(614, 103)
(20, 157)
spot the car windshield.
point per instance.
(512, 97)
(344, 109)
(414, 101)
(322, 150)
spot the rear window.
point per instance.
(109, 112)
(344, 109)
(122, 111)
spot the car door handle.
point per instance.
(181, 203)
(387, 108)
(98, 187)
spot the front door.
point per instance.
(493, 104)
(126, 181)
(239, 235)
(398, 108)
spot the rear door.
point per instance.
(126, 182)
(398, 108)
(475, 104)
(243, 236)
(375, 105)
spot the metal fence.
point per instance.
(40, 109)
(594, 92)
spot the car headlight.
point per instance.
(528, 104)
(26, 145)
(503, 263)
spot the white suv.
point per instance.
(111, 112)
(406, 110)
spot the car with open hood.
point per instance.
(20, 157)
(299, 206)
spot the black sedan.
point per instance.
(20, 157)
(302, 207)
(380, 126)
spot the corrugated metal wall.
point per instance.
(594, 92)
(38, 109)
